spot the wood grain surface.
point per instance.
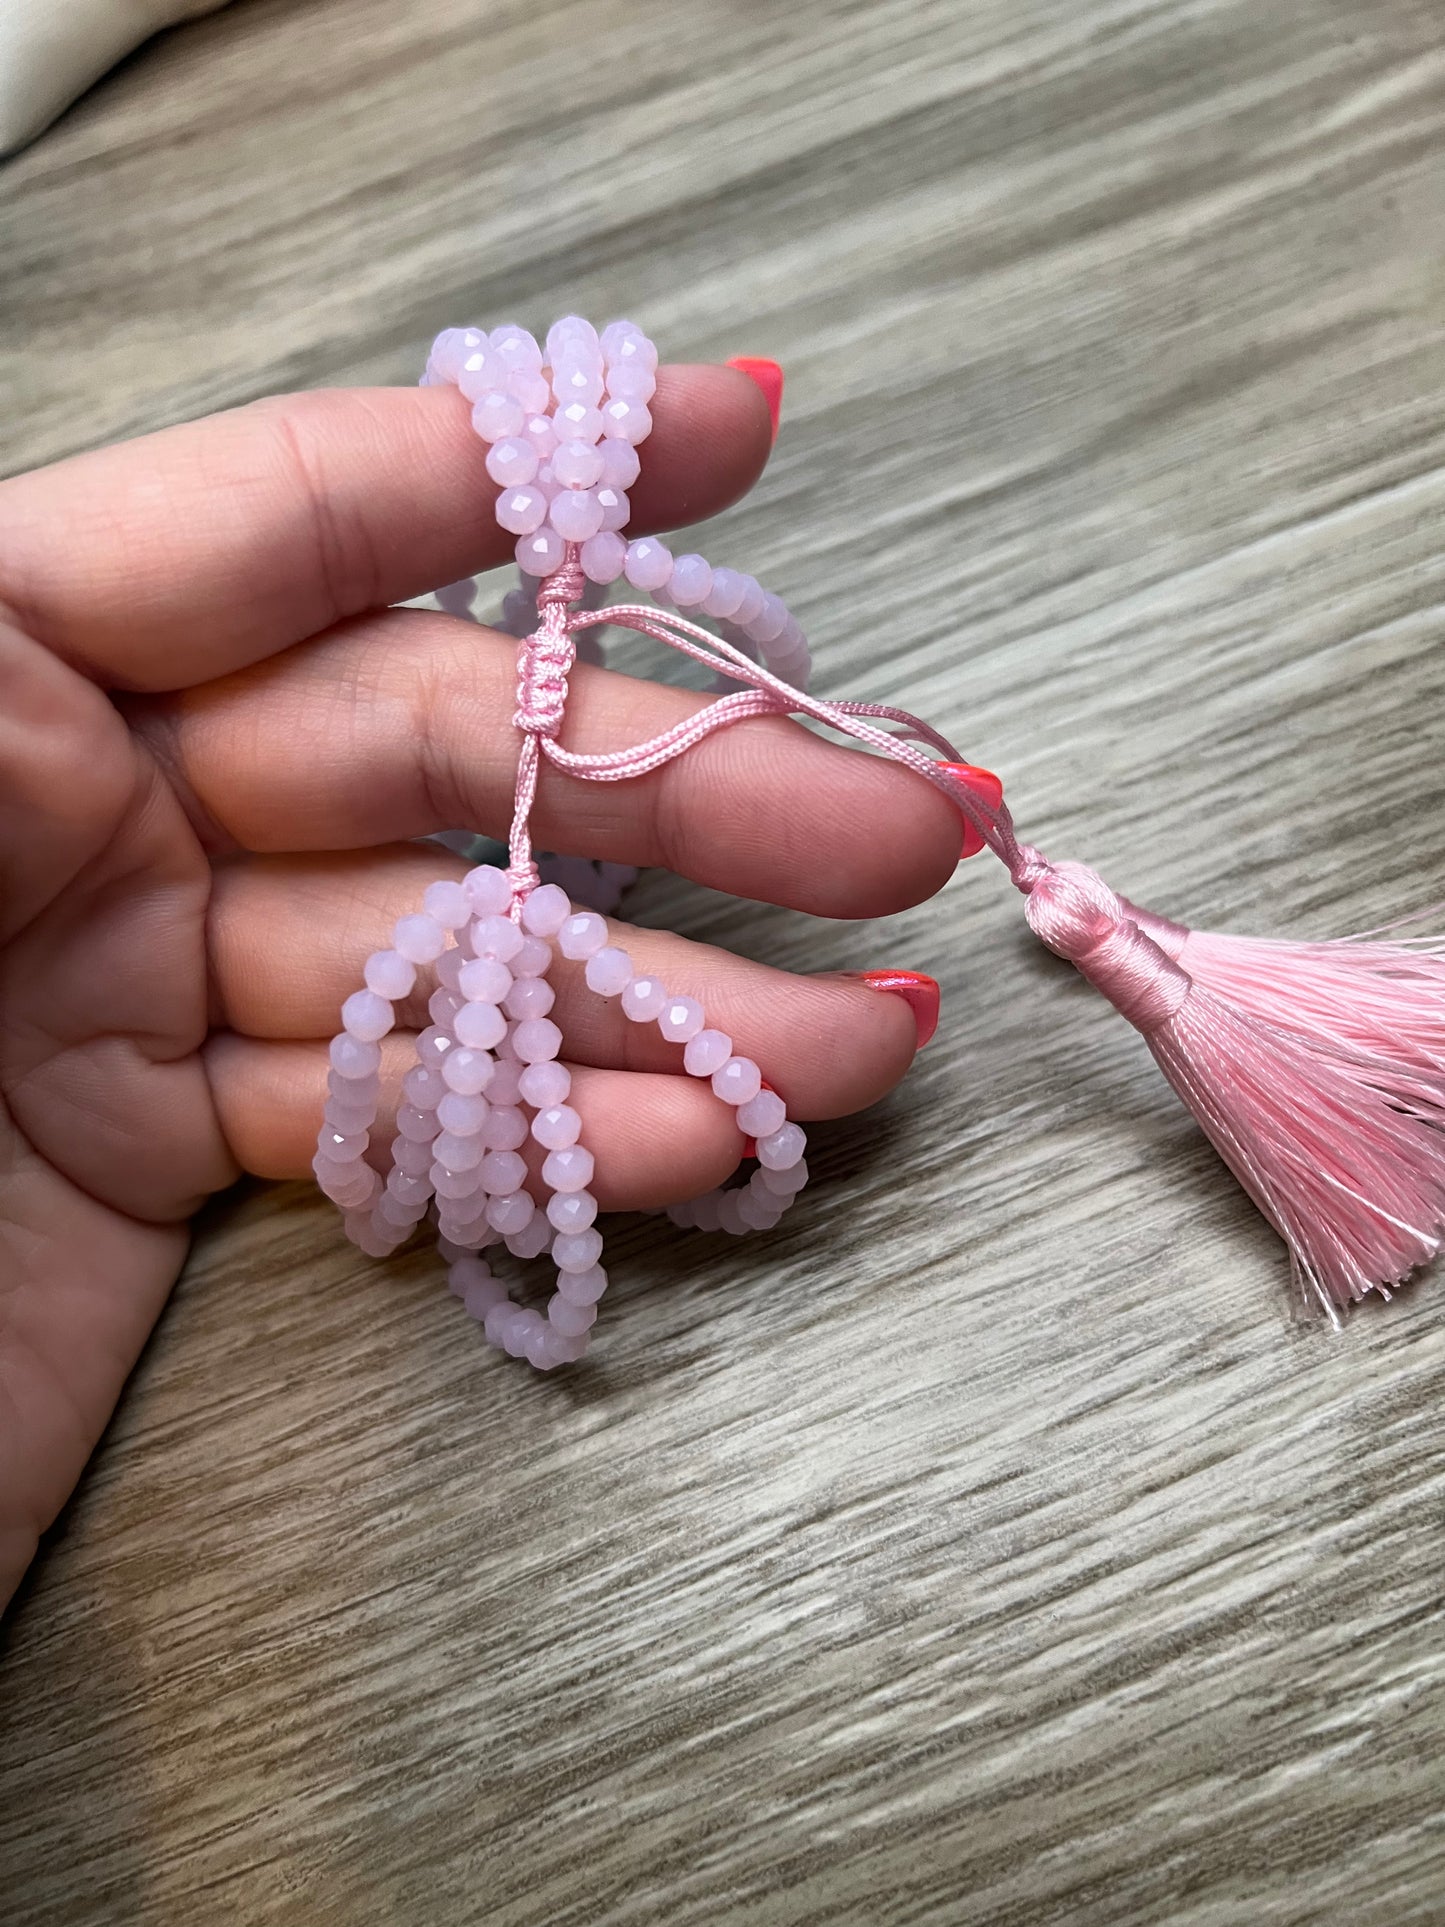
(994, 1543)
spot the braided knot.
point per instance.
(1073, 911)
(543, 664)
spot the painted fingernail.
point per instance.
(920, 993)
(769, 377)
(987, 787)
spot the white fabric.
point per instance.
(52, 50)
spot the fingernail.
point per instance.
(986, 786)
(920, 993)
(769, 377)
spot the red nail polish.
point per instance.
(769, 377)
(920, 993)
(987, 787)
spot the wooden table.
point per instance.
(994, 1543)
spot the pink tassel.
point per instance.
(1317, 1071)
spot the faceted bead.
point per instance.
(353, 1090)
(737, 1080)
(419, 1126)
(602, 557)
(468, 1071)
(570, 1169)
(457, 1153)
(575, 330)
(451, 348)
(420, 939)
(707, 1051)
(724, 598)
(390, 974)
(529, 997)
(751, 605)
(626, 421)
(582, 936)
(691, 581)
(340, 1149)
(412, 1159)
(557, 1127)
(643, 999)
(505, 1128)
(577, 422)
(449, 969)
(442, 1006)
(533, 1239)
(481, 1296)
(578, 381)
(577, 464)
(545, 1085)
(787, 1181)
(536, 1038)
(462, 1115)
(488, 890)
(621, 464)
(533, 392)
(512, 463)
(483, 980)
(409, 1190)
(515, 346)
(609, 971)
(506, 1085)
(782, 1148)
(496, 937)
(630, 345)
(348, 1120)
(615, 507)
(353, 1058)
(648, 564)
(510, 1212)
(571, 1320)
(577, 1250)
(366, 1015)
(479, 1026)
(631, 382)
(576, 514)
(448, 903)
(502, 1172)
(498, 417)
(423, 1087)
(540, 430)
(534, 958)
(545, 910)
(521, 510)
(498, 1322)
(680, 1018)
(760, 1116)
(482, 375)
(729, 1215)
(771, 620)
(572, 1210)
(540, 553)
(397, 1212)
(433, 1045)
(582, 1287)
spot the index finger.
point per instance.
(164, 562)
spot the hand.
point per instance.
(216, 738)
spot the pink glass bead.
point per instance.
(570, 1169)
(395, 1212)
(737, 1080)
(505, 1128)
(729, 1216)
(626, 421)
(582, 936)
(529, 997)
(545, 1085)
(449, 969)
(479, 1026)
(571, 1210)
(725, 595)
(616, 510)
(609, 971)
(420, 939)
(433, 1045)
(582, 1287)
(628, 345)
(577, 1250)
(754, 1214)
(450, 350)
(577, 422)
(787, 1181)
(540, 553)
(576, 514)
(390, 974)
(419, 1126)
(578, 378)
(534, 392)
(648, 564)
(631, 382)
(443, 1005)
(409, 1190)
(506, 1085)
(572, 331)
(497, 1323)
(621, 465)
(752, 603)
(468, 1071)
(541, 433)
(423, 1087)
(502, 1172)
(521, 510)
(339, 1149)
(557, 1127)
(484, 980)
(353, 1058)
(571, 1320)
(367, 1016)
(691, 580)
(643, 999)
(496, 937)
(680, 1019)
(462, 1115)
(782, 1148)
(770, 621)
(353, 1090)
(498, 417)
(488, 891)
(481, 375)
(536, 1038)
(545, 910)
(409, 1158)
(760, 1116)
(577, 464)
(707, 1051)
(533, 1239)
(457, 1152)
(534, 958)
(510, 1212)
(348, 1120)
(602, 557)
(517, 347)
(448, 903)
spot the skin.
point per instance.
(215, 740)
